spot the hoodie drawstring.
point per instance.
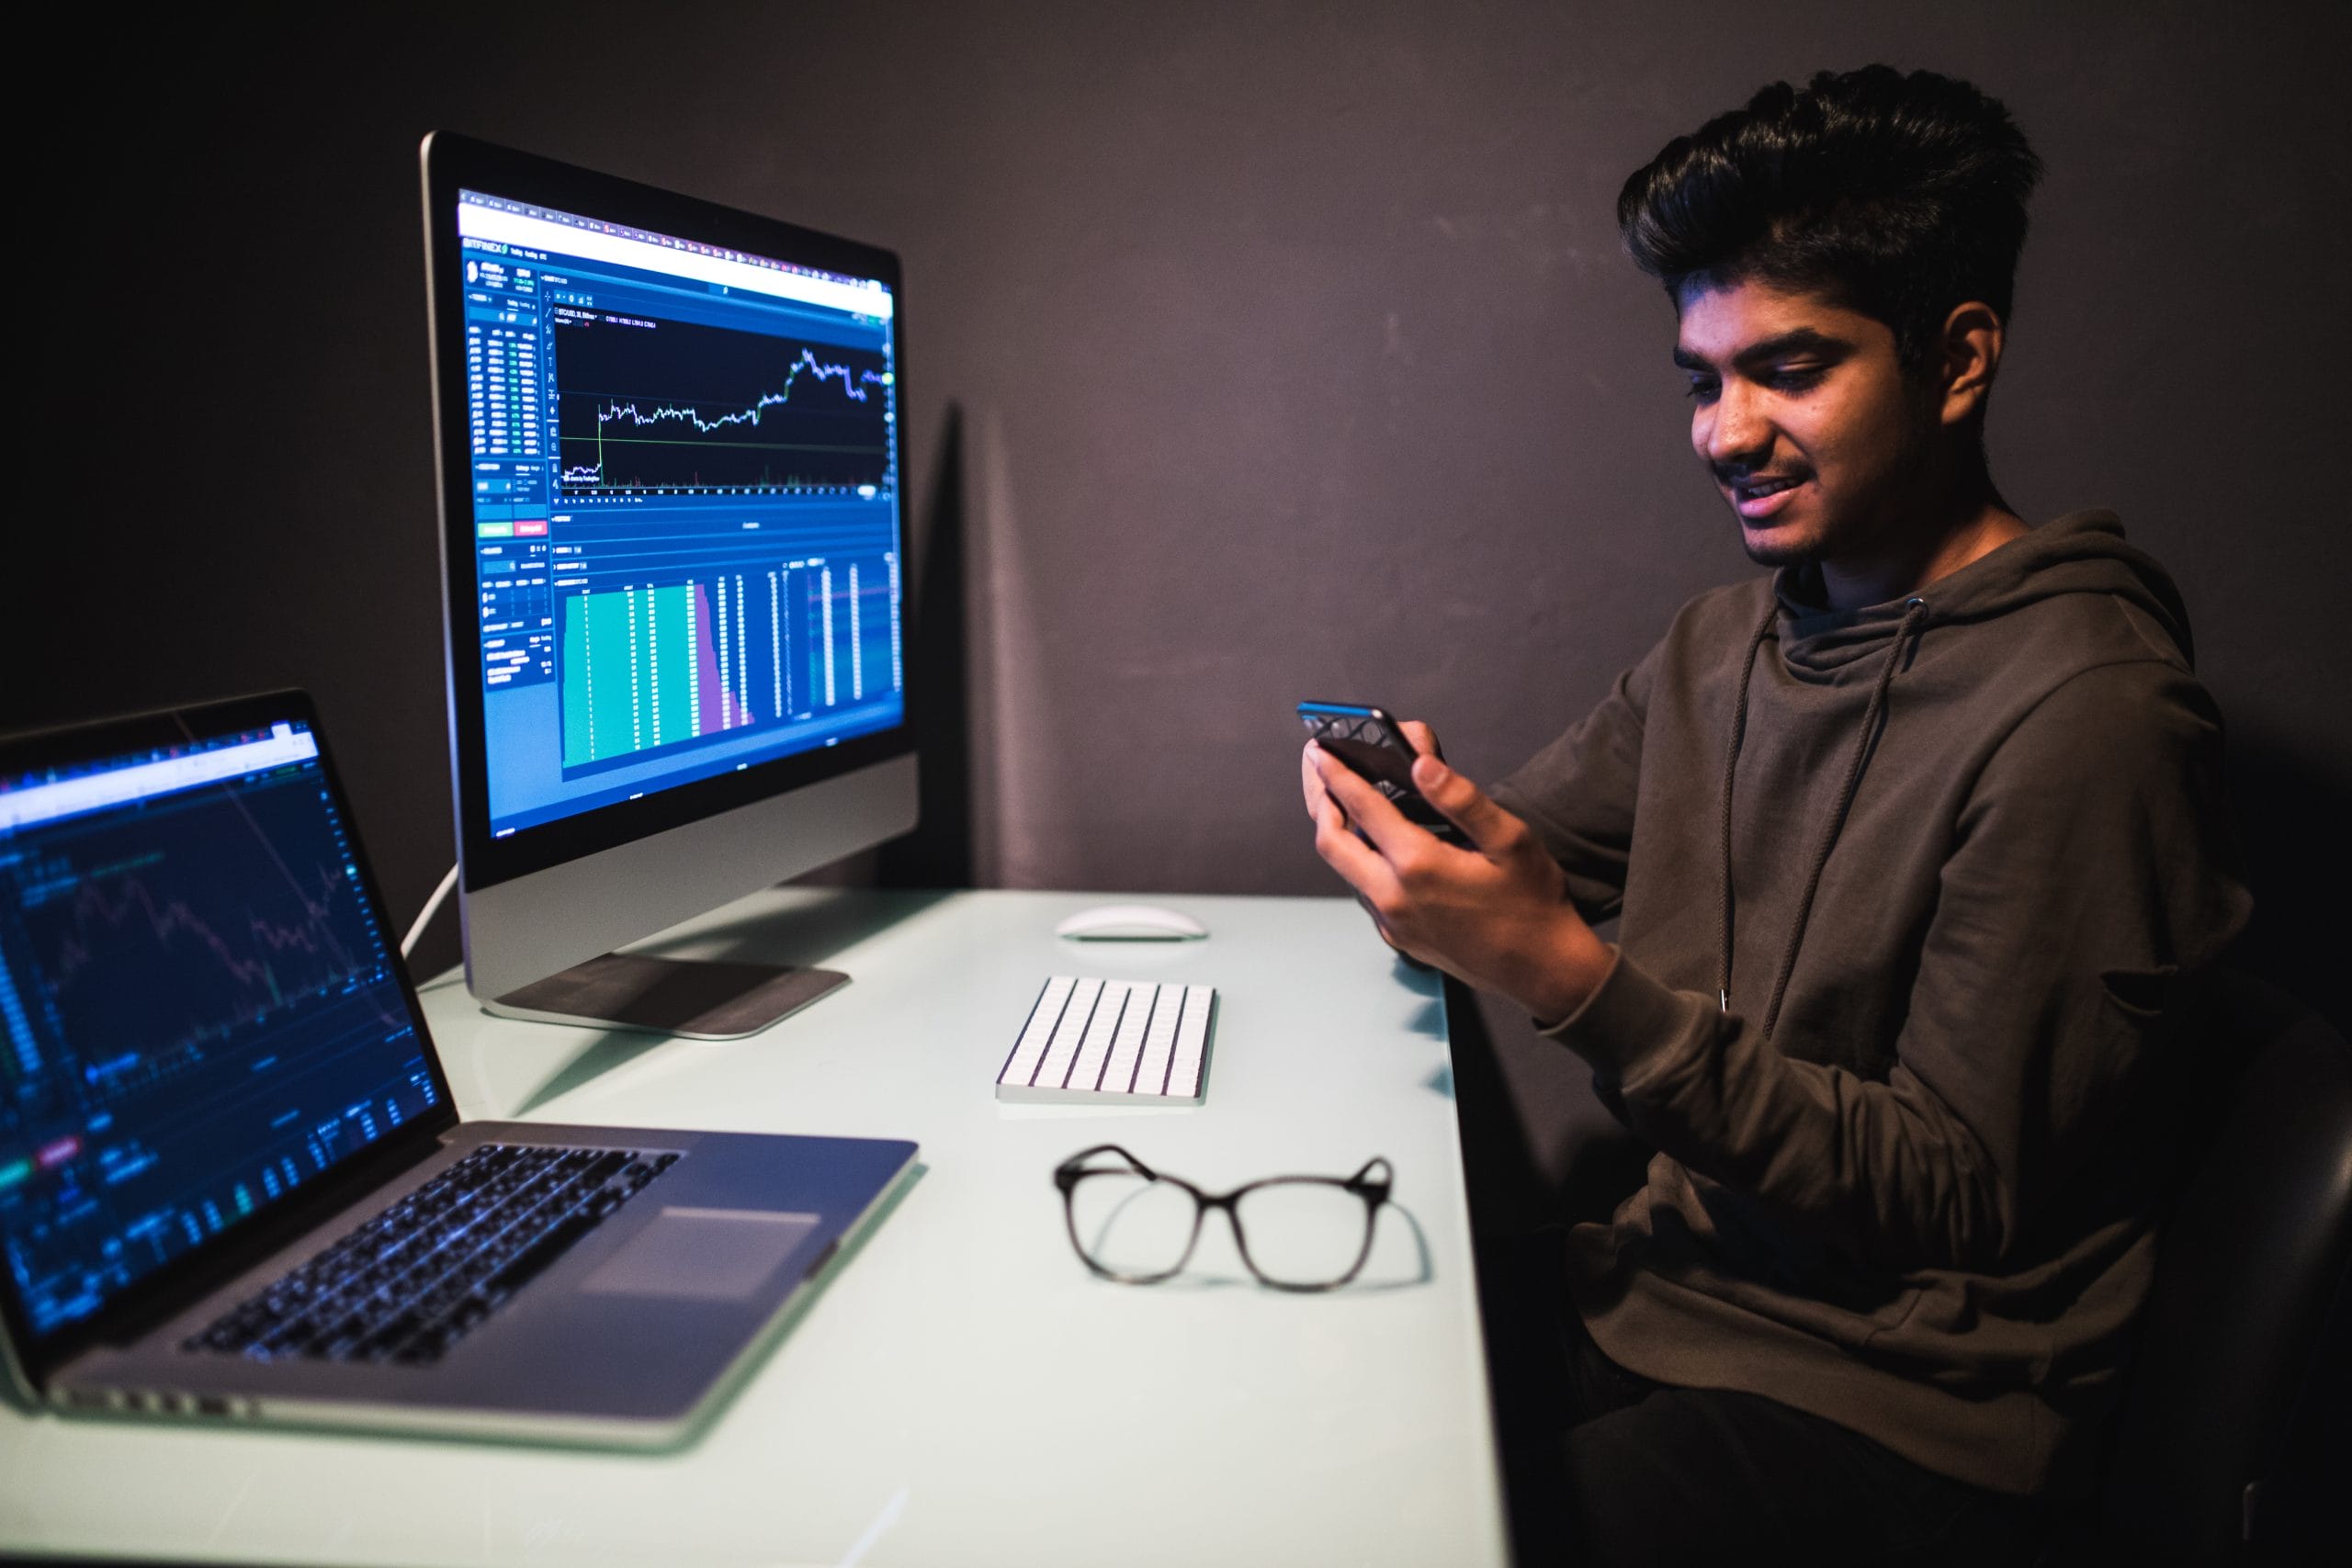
(1915, 611)
(1731, 769)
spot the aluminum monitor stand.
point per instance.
(697, 999)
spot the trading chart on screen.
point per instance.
(202, 1013)
(685, 507)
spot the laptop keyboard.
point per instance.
(419, 1277)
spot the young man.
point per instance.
(1908, 842)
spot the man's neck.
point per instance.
(1959, 517)
(1905, 567)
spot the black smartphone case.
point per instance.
(1370, 743)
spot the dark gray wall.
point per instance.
(1291, 350)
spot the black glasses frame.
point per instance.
(1373, 1183)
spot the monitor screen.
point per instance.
(685, 493)
(201, 1011)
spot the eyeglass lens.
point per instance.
(1304, 1232)
(1131, 1224)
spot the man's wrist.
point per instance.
(1569, 966)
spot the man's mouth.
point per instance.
(1760, 495)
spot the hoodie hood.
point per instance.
(2083, 552)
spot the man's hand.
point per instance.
(1495, 915)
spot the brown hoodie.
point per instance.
(1902, 894)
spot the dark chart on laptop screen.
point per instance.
(201, 1013)
(684, 507)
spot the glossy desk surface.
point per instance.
(964, 1392)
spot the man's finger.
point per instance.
(1355, 861)
(1310, 782)
(1366, 806)
(1423, 737)
(1486, 825)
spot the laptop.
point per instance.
(233, 1186)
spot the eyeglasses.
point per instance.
(1138, 1225)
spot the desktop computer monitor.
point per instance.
(669, 456)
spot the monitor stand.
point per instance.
(699, 999)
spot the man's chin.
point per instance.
(1779, 546)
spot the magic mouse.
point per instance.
(1130, 922)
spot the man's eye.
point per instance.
(1704, 388)
(1795, 378)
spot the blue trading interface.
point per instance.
(685, 507)
(201, 1011)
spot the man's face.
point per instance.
(1802, 415)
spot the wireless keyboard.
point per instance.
(1112, 1043)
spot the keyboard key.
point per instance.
(1095, 1048)
(1030, 1049)
(1062, 1049)
(1119, 1072)
(1159, 1040)
(1192, 1044)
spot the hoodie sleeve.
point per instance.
(1578, 794)
(2088, 866)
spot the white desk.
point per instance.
(964, 1393)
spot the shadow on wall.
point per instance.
(941, 852)
(2291, 804)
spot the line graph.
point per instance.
(164, 953)
(99, 918)
(207, 1015)
(644, 403)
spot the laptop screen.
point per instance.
(199, 1010)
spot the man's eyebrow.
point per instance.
(1801, 340)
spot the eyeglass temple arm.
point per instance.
(1066, 1174)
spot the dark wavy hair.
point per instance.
(1897, 197)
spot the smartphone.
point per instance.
(1371, 745)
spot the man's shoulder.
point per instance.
(2069, 633)
(2092, 664)
(2116, 713)
(2081, 695)
(2069, 596)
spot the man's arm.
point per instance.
(2027, 1023)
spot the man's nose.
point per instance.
(1739, 435)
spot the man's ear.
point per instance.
(1968, 358)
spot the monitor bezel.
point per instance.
(248, 1240)
(452, 163)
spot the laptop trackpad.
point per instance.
(702, 1255)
